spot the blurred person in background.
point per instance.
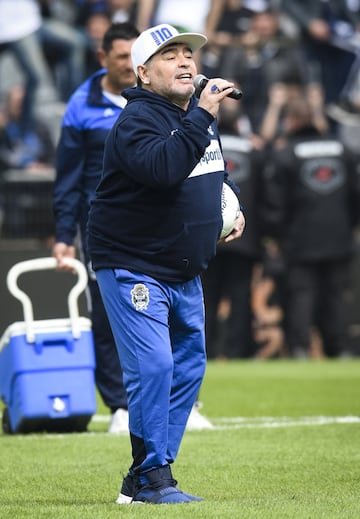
(91, 112)
(93, 18)
(27, 159)
(182, 14)
(95, 26)
(264, 55)
(280, 95)
(20, 23)
(312, 197)
(87, 8)
(267, 302)
(226, 22)
(227, 281)
(118, 10)
(123, 10)
(31, 148)
(329, 36)
(63, 44)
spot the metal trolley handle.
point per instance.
(45, 264)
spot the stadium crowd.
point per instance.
(291, 145)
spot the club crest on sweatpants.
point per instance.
(140, 296)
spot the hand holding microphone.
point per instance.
(212, 91)
(200, 82)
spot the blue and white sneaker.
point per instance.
(154, 487)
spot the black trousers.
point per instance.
(316, 296)
(229, 276)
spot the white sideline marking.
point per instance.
(263, 422)
(230, 423)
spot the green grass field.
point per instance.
(286, 444)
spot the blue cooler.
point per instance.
(47, 367)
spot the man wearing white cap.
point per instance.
(153, 227)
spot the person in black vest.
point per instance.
(228, 277)
(312, 195)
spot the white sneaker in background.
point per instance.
(196, 421)
(119, 422)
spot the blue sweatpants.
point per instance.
(159, 332)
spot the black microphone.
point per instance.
(200, 81)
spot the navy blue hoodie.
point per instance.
(157, 208)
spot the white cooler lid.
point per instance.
(44, 326)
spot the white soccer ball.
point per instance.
(230, 210)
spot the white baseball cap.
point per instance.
(155, 38)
